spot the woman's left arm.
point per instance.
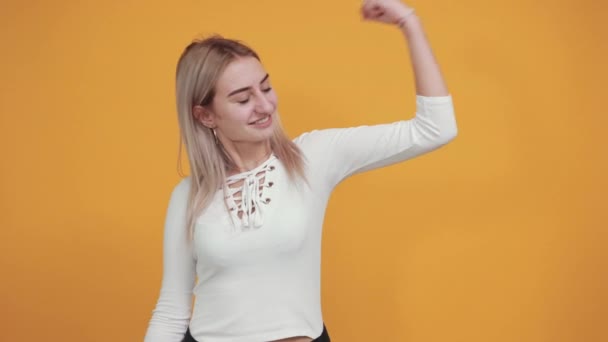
(339, 153)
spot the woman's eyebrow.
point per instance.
(247, 88)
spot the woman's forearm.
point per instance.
(427, 73)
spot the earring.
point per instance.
(217, 142)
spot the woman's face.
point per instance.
(244, 106)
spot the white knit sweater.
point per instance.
(258, 263)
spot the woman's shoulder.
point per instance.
(184, 183)
(310, 142)
(314, 138)
(181, 188)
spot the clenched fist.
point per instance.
(385, 11)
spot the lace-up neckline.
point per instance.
(246, 195)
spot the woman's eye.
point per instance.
(247, 99)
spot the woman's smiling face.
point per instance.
(244, 106)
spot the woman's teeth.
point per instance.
(261, 121)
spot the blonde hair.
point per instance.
(198, 70)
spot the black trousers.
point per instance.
(323, 338)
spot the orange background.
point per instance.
(499, 236)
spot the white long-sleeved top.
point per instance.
(258, 263)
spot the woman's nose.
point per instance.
(263, 105)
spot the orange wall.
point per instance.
(499, 236)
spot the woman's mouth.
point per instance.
(263, 122)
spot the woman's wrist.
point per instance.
(410, 24)
(406, 18)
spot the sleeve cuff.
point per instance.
(434, 99)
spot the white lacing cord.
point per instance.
(251, 198)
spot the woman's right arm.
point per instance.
(171, 316)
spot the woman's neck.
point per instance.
(247, 156)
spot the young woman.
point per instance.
(248, 220)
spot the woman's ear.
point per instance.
(204, 116)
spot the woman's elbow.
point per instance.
(450, 134)
(444, 136)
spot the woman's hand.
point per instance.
(385, 11)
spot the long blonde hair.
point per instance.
(198, 70)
